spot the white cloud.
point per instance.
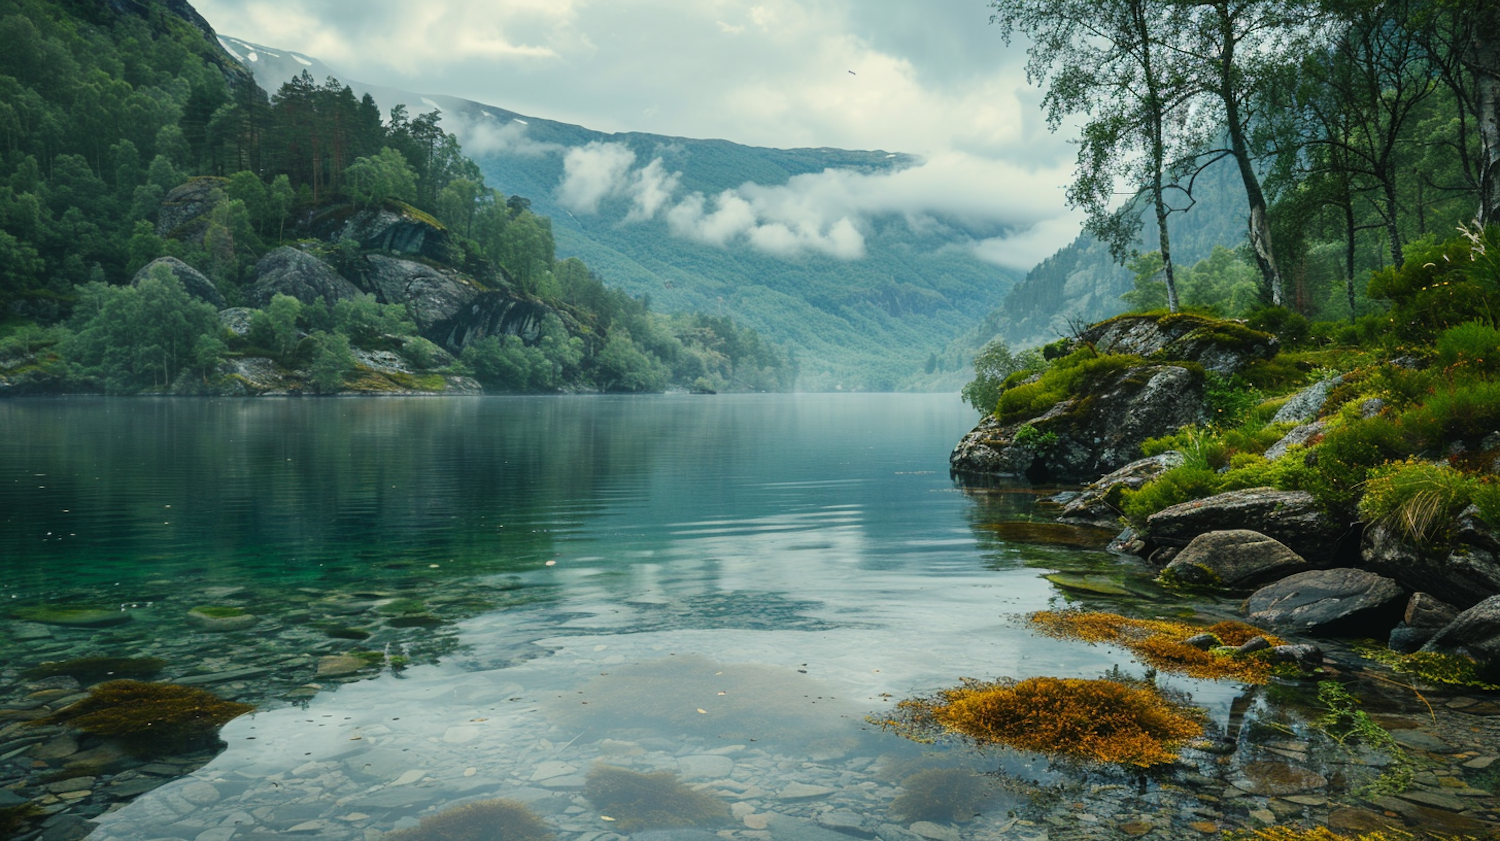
(592, 172)
(491, 136)
(650, 188)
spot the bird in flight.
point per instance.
(852, 73)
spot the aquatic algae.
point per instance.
(1106, 721)
(657, 800)
(1432, 667)
(151, 719)
(1162, 643)
(90, 669)
(943, 794)
(485, 820)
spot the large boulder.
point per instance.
(183, 214)
(1224, 347)
(1095, 433)
(290, 271)
(1292, 517)
(1329, 602)
(193, 281)
(1425, 616)
(1233, 559)
(432, 295)
(1475, 634)
(1462, 572)
(1305, 435)
(1094, 506)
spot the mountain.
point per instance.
(862, 304)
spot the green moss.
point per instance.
(90, 669)
(1431, 667)
(1074, 375)
(650, 801)
(421, 620)
(339, 632)
(486, 820)
(399, 607)
(151, 719)
(78, 616)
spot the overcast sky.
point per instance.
(931, 78)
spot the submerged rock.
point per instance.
(1233, 558)
(1329, 602)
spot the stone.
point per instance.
(72, 617)
(704, 767)
(803, 791)
(1349, 819)
(208, 620)
(194, 282)
(1203, 642)
(1405, 639)
(197, 792)
(1307, 403)
(183, 214)
(1460, 574)
(1479, 763)
(1098, 432)
(845, 821)
(1304, 435)
(1422, 740)
(28, 632)
(1090, 507)
(935, 832)
(74, 784)
(1426, 611)
(236, 320)
(1328, 602)
(756, 820)
(432, 295)
(1233, 559)
(1136, 829)
(1475, 634)
(552, 768)
(1268, 777)
(57, 748)
(1218, 346)
(1292, 517)
(1253, 645)
(335, 665)
(291, 271)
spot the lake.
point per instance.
(458, 599)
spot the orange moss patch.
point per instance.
(1090, 720)
(1160, 643)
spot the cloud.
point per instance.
(650, 188)
(592, 172)
(491, 136)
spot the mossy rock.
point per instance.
(402, 607)
(211, 618)
(339, 632)
(72, 616)
(419, 620)
(1091, 584)
(90, 669)
(151, 719)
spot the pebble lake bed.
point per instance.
(728, 590)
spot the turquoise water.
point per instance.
(741, 577)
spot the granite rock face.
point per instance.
(290, 271)
(1220, 347)
(1329, 602)
(432, 295)
(183, 214)
(1233, 559)
(193, 281)
(1307, 403)
(1462, 573)
(1091, 506)
(1291, 517)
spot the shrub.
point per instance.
(1441, 285)
(1472, 348)
(1180, 484)
(1230, 399)
(993, 366)
(1347, 455)
(1416, 498)
(1470, 411)
(1106, 721)
(1074, 374)
(1291, 327)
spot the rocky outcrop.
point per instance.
(183, 214)
(193, 281)
(1095, 433)
(396, 229)
(1292, 517)
(290, 271)
(1329, 602)
(1462, 573)
(1475, 634)
(1307, 403)
(237, 320)
(1232, 559)
(1224, 347)
(490, 314)
(432, 295)
(1092, 506)
(1301, 436)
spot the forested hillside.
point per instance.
(867, 323)
(311, 241)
